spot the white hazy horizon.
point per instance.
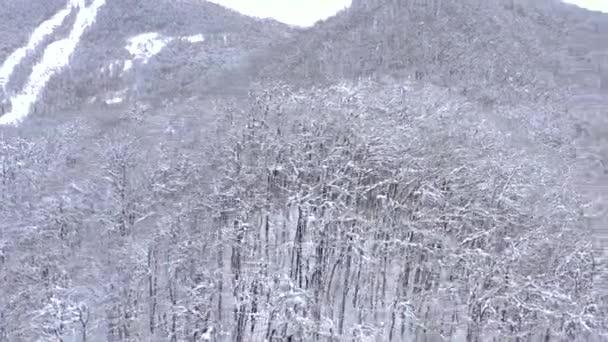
(306, 13)
(592, 5)
(302, 13)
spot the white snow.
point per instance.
(36, 38)
(144, 46)
(197, 38)
(116, 97)
(206, 336)
(128, 65)
(114, 100)
(56, 56)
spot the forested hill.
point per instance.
(192, 44)
(132, 51)
(503, 50)
(404, 171)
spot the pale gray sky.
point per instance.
(293, 12)
(594, 5)
(307, 12)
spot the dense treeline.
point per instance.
(356, 212)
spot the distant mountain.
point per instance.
(505, 50)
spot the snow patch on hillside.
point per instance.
(36, 38)
(115, 98)
(146, 45)
(128, 65)
(56, 56)
(142, 48)
(197, 38)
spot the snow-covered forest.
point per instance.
(340, 192)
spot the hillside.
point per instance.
(18, 17)
(543, 63)
(138, 51)
(224, 40)
(503, 50)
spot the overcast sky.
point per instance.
(594, 5)
(307, 12)
(293, 12)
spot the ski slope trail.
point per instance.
(36, 38)
(56, 56)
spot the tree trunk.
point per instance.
(152, 289)
(345, 290)
(296, 257)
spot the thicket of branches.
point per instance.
(355, 212)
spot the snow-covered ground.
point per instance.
(36, 38)
(56, 56)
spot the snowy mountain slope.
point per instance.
(56, 56)
(36, 38)
(186, 65)
(18, 22)
(18, 18)
(21, 72)
(206, 40)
